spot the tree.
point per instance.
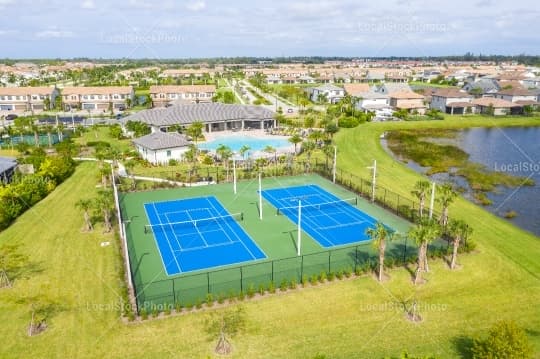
(86, 205)
(243, 150)
(380, 234)
(446, 196)
(225, 153)
(420, 191)
(195, 130)
(49, 129)
(225, 324)
(271, 150)
(331, 129)
(423, 234)
(104, 204)
(129, 166)
(295, 140)
(505, 340)
(11, 264)
(459, 231)
(60, 131)
(308, 147)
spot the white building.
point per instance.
(451, 101)
(331, 93)
(161, 147)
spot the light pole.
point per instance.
(373, 180)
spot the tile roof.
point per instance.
(406, 95)
(356, 89)
(450, 92)
(204, 112)
(96, 90)
(515, 92)
(22, 91)
(495, 102)
(182, 88)
(161, 140)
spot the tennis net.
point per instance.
(321, 206)
(194, 223)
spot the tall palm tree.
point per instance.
(130, 165)
(195, 130)
(60, 131)
(423, 234)
(420, 191)
(459, 231)
(225, 153)
(380, 235)
(35, 130)
(104, 204)
(295, 140)
(86, 205)
(271, 150)
(49, 129)
(445, 197)
(243, 150)
(316, 136)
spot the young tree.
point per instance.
(423, 234)
(129, 166)
(308, 147)
(243, 150)
(380, 234)
(505, 340)
(445, 196)
(49, 129)
(224, 325)
(85, 205)
(420, 191)
(295, 140)
(11, 264)
(195, 130)
(271, 150)
(104, 204)
(225, 153)
(459, 231)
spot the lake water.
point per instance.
(513, 150)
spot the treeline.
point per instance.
(27, 189)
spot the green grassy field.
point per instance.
(352, 318)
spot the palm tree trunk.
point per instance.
(454, 253)
(382, 248)
(107, 220)
(421, 263)
(88, 222)
(444, 216)
(426, 266)
(421, 206)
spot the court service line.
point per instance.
(166, 237)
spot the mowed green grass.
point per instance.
(353, 318)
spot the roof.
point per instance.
(450, 92)
(328, 87)
(182, 88)
(515, 92)
(204, 112)
(393, 87)
(96, 90)
(22, 91)
(7, 163)
(459, 104)
(406, 95)
(161, 140)
(356, 89)
(495, 102)
(527, 103)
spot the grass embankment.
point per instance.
(418, 146)
(355, 318)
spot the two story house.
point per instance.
(163, 96)
(451, 101)
(104, 98)
(21, 99)
(326, 93)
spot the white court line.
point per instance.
(176, 237)
(167, 237)
(206, 244)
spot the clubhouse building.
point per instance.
(214, 116)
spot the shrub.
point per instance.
(347, 272)
(304, 280)
(251, 291)
(189, 306)
(313, 280)
(173, 162)
(283, 286)
(467, 247)
(261, 289)
(271, 288)
(339, 275)
(167, 310)
(505, 340)
(322, 276)
(331, 276)
(220, 298)
(292, 283)
(178, 307)
(144, 314)
(198, 304)
(209, 299)
(241, 295)
(155, 312)
(232, 296)
(130, 316)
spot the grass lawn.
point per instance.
(352, 318)
(101, 133)
(9, 152)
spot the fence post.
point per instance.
(329, 259)
(173, 292)
(355, 258)
(272, 271)
(241, 280)
(301, 268)
(208, 282)
(405, 251)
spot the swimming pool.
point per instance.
(236, 142)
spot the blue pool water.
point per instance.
(236, 142)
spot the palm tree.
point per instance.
(295, 140)
(60, 131)
(49, 129)
(195, 130)
(225, 153)
(459, 230)
(423, 234)
(35, 130)
(380, 234)
(445, 197)
(104, 204)
(316, 136)
(420, 191)
(86, 205)
(243, 150)
(308, 147)
(130, 165)
(271, 150)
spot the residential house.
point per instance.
(273, 80)
(451, 101)
(161, 147)
(326, 93)
(104, 98)
(517, 95)
(20, 99)
(533, 82)
(496, 106)
(408, 100)
(306, 80)
(214, 116)
(389, 88)
(163, 96)
(485, 87)
(7, 169)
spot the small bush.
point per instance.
(313, 280)
(209, 299)
(189, 306)
(241, 295)
(271, 288)
(198, 304)
(232, 296)
(304, 280)
(339, 275)
(292, 283)
(167, 310)
(358, 270)
(155, 312)
(347, 272)
(173, 162)
(178, 307)
(283, 286)
(467, 247)
(251, 290)
(331, 276)
(144, 314)
(322, 276)
(220, 298)
(130, 316)
(261, 289)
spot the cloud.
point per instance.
(88, 4)
(196, 5)
(54, 34)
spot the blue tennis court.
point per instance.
(330, 220)
(198, 233)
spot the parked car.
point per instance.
(290, 110)
(11, 117)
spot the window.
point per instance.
(85, 97)
(2, 98)
(168, 153)
(34, 97)
(100, 97)
(92, 97)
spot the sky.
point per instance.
(211, 28)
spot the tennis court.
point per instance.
(330, 220)
(198, 233)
